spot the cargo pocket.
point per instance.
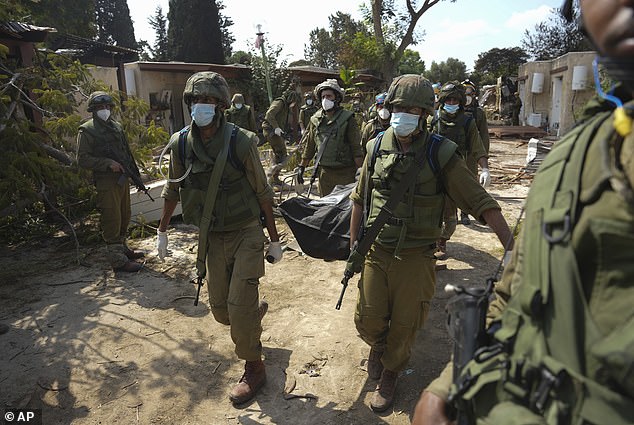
(615, 354)
(249, 264)
(193, 202)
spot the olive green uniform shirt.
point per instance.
(242, 117)
(353, 137)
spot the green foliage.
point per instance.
(498, 62)
(279, 75)
(224, 23)
(159, 51)
(68, 17)
(114, 25)
(410, 63)
(240, 57)
(451, 69)
(555, 37)
(194, 32)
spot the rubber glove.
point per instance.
(274, 253)
(161, 244)
(485, 178)
(278, 131)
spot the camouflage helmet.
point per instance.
(411, 90)
(452, 89)
(206, 83)
(291, 96)
(99, 98)
(308, 95)
(237, 98)
(331, 84)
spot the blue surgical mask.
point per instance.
(451, 109)
(203, 113)
(404, 124)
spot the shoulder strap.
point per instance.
(182, 145)
(234, 158)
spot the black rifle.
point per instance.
(362, 246)
(135, 176)
(466, 324)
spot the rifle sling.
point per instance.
(363, 246)
(214, 183)
(320, 154)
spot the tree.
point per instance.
(322, 49)
(279, 75)
(194, 32)
(498, 62)
(75, 17)
(395, 30)
(114, 25)
(410, 63)
(227, 37)
(158, 22)
(451, 69)
(555, 37)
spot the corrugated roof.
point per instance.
(25, 32)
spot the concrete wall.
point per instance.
(557, 96)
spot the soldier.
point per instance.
(234, 260)
(517, 107)
(273, 126)
(452, 122)
(306, 111)
(473, 109)
(564, 305)
(380, 122)
(241, 114)
(359, 109)
(398, 278)
(100, 140)
(334, 137)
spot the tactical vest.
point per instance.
(307, 112)
(417, 219)
(456, 131)
(562, 356)
(239, 117)
(236, 203)
(109, 141)
(338, 152)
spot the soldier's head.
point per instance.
(381, 110)
(410, 99)
(206, 95)
(470, 92)
(237, 100)
(452, 97)
(609, 24)
(309, 98)
(330, 94)
(291, 97)
(100, 104)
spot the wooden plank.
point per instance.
(143, 209)
(516, 130)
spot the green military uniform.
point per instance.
(277, 117)
(398, 278)
(243, 117)
(567, 329)
(305, 112)
(342, 145)
(462, 130)
(480, 118)
(99, 142)
(371, 129)
(235, 259)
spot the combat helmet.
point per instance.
(452, 89)
(206, 83)
(470, 88)
(237, 98)
(411, 90)
(332, 84)
(99, 98)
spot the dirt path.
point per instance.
(91, 347)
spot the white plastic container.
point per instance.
(580, 77)
(538, 82)
(534, 120)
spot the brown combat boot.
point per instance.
(252, 380)
(375, 367)
(132, 255)
(129, 267)
(384, 394)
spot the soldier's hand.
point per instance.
(161, 244)
(355, 262)
(278, 132)
(485, 178)
(300, 174)
(116, 167)
(430, 410)
(274, 253)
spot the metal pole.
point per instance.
(265, 62)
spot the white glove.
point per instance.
(507, 258)
(274, 253)
(485, 178)
(161, 244)
(278, 131)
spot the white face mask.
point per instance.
(309, 102)
(404, 124)
(203, 113)
(384, 113)
(103, 114)
(327, 104)
(469, 100)
(238, 105)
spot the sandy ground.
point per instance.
(89, 346)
